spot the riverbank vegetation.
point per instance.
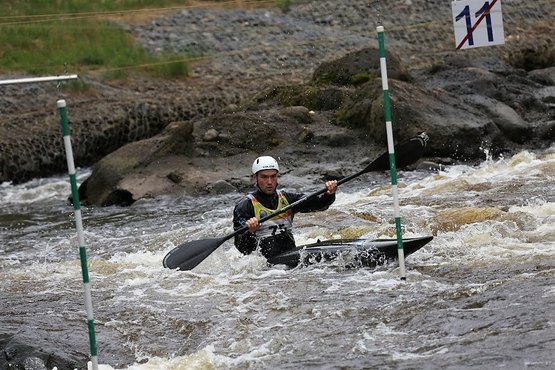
(80, 36)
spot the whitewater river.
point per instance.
(480, 295)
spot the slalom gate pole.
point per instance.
(391, 150)
(80, 234)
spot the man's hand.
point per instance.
(253, 224)
(332, 186)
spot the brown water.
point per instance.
(480, 295)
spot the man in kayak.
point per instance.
(274, 236)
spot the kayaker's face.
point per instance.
(267, 181)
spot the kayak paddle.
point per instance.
(189, 254)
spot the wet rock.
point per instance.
(180, 160)
(452, 220)
(174, 177)
(450, 123)
(299, 113)
(337, 139)
(221, 187)
(544, 76)
(306, 135)
(538, 54)
(359, 67)
(21, 356)
(210, 135)
(313, 97)
(504, 117)
(118, 178)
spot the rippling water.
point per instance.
(480, 295)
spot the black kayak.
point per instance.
(352, 252)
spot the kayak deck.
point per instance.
(353, 252)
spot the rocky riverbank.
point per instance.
(298, 83)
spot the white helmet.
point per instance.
(264, 163)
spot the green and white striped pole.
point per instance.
(80, 234)
(391, 150)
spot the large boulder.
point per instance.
(529, 94)
(509, 122)
(358, 67)
(42, 354)
(213, 155)
(119, 178)
(463, 105)
(455, 128)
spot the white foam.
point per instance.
(203, 359)
(38, 190)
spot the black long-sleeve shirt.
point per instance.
(246, 243)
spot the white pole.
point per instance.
(38, 79)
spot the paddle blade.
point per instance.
(188, 255)
(406, 153)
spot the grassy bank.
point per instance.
(38, 37)
(41, 37)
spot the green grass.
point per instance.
(35, 42)
(40, 37)
(42, 7)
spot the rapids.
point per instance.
(480, 295)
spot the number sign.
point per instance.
(477, 23)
